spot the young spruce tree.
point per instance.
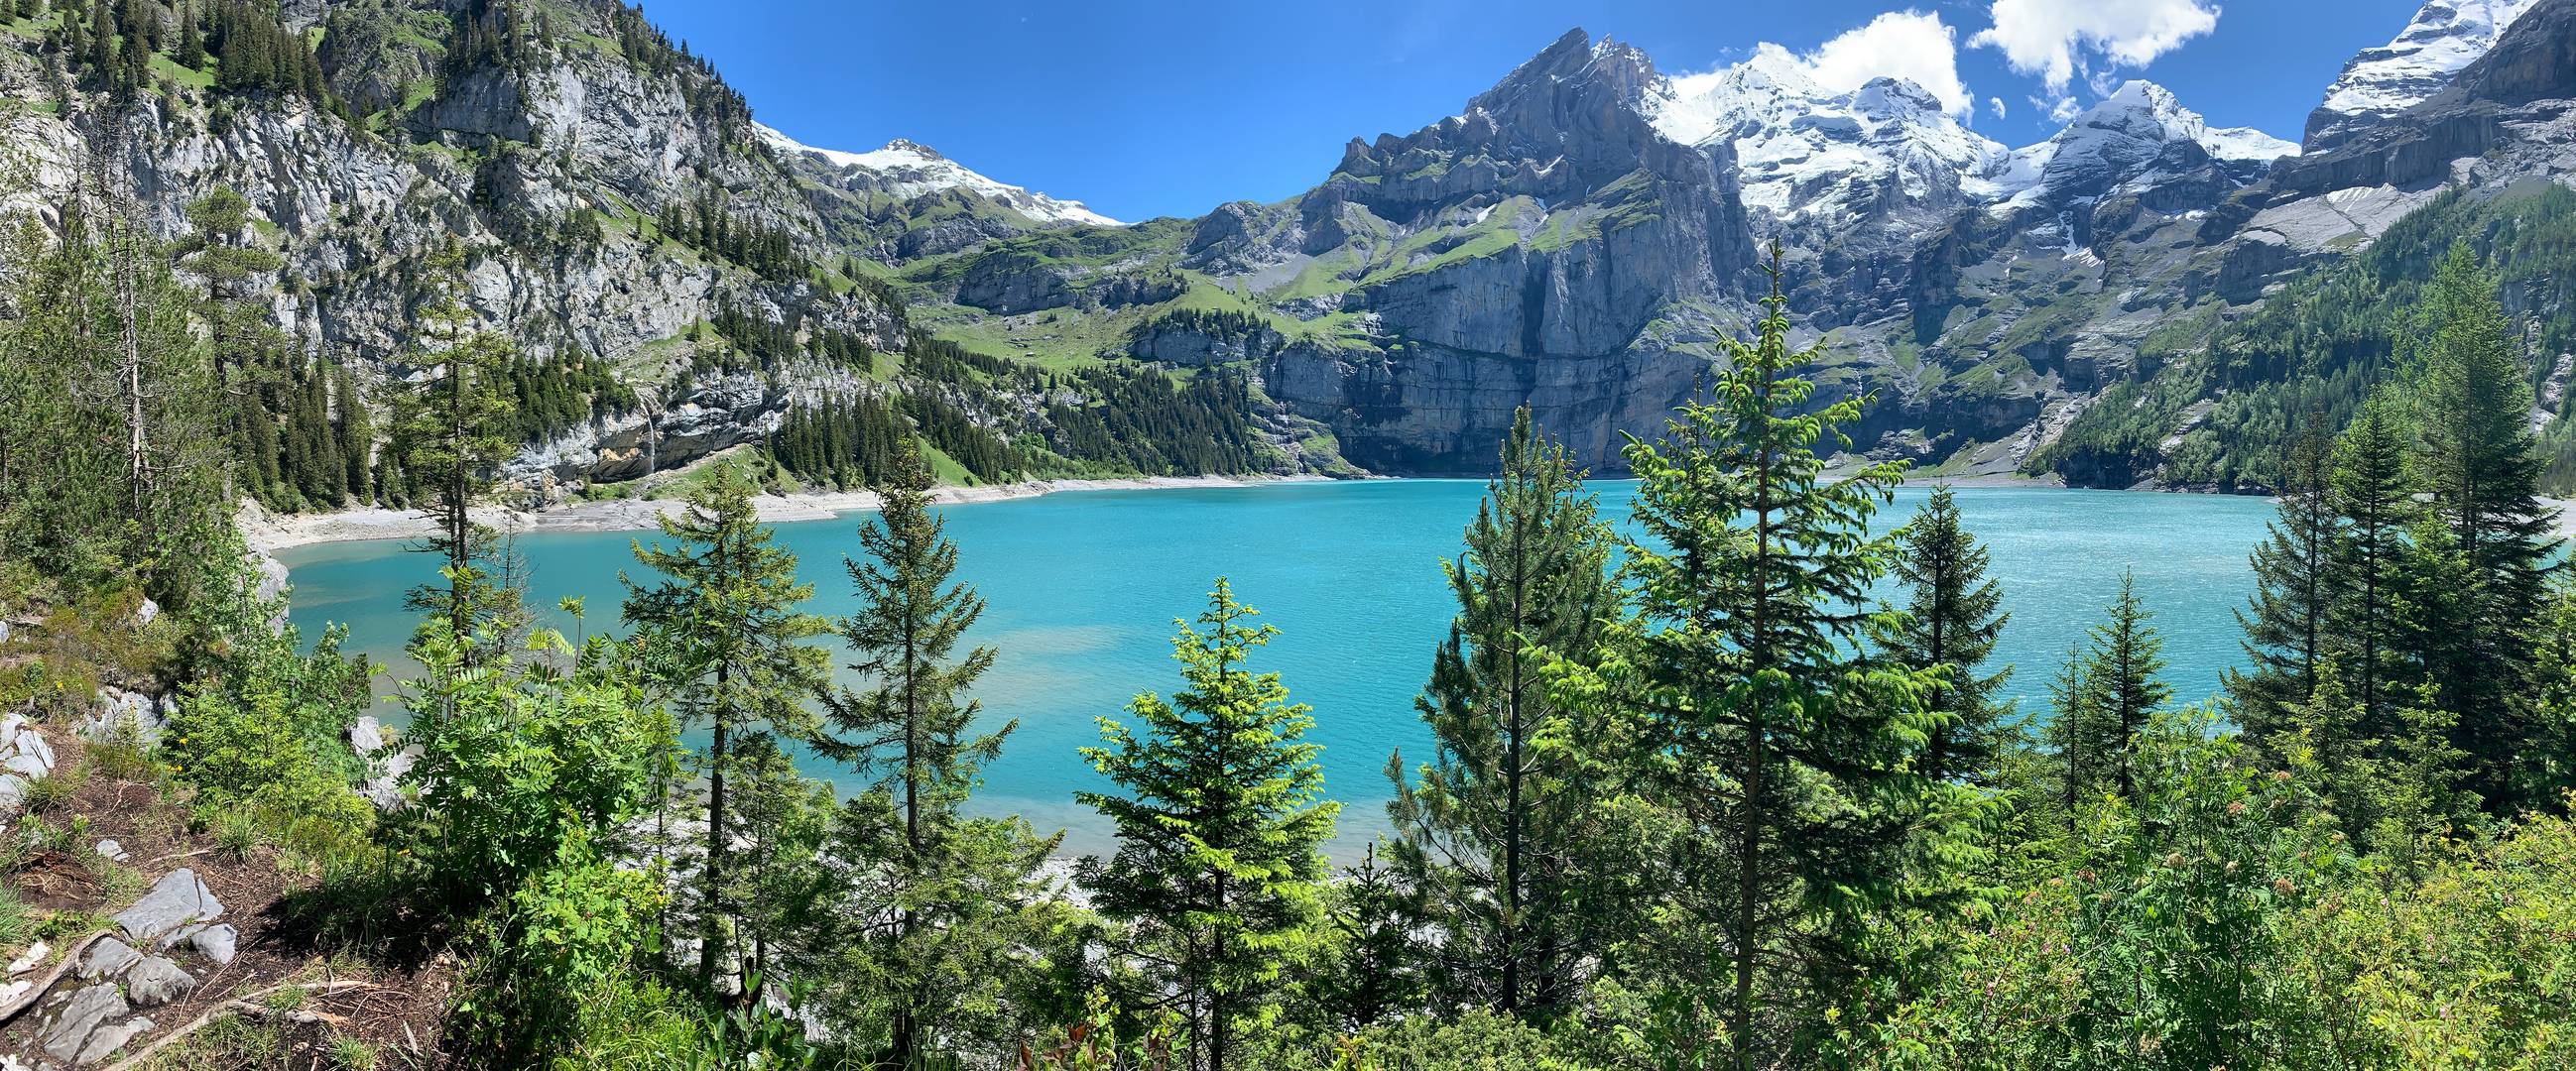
(727, 615)
(1953, 616)
(1217, 869)
(1490, 830)
(951, 885)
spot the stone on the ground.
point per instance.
(112, 850)
(153, 981)
(28, 959)
(85, 1031)
(178, 899)
(216, 942)
(106, 959)
(125, 716)
(146, 614)
(13, 792)
(23, 751)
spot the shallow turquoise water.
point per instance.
(1084, 586)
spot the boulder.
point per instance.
(153, 981)
(125, 716)
(178, 899)
(106, 959)
(109, 849)
(86, 1029)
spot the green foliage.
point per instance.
(515, 759)
(729, 644)
(1491, 830)
(558, 958)
(1953, 616)
(1784, 814)
(1217, 871)
(957, 889)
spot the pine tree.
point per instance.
(1217, 866)
(2372, 497)
(1953, 616)
(2484, 473)
(2285, 621)
(729, 607)
(2126, 656)
(2075, 736)
(192, 43)
(355, 435)
(1489, 830)
(951, 884)
(1784, 750)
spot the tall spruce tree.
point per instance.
(2372, 494)
(2286, 619)
(1217, 869)
(729, 612)
(950, 884)
(1784, 749)
(1490, 830)
(2483, 470)
(1953, 616)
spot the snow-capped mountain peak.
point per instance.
(1809, 152)
(2445, 36)
(910, 169)
(2118, 142)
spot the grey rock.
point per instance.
(145, 613)
(13, 792)
(153, 981)
(177, 937)
(217, 943)
(110, 849)
(367, 736)
(178, 899)
(86, 1029)
(107, 958)
(125, 717)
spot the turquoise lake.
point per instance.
(1084, 586)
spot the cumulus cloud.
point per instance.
(1997, 103)
(2064, 111)
(2057, 39)
(1910, 45)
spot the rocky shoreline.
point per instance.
(269, 533)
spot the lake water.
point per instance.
(1083, 588)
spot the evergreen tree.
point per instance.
(2484, 474)
(1217, 869)
(2285, 621)
(950, 884)
(1953, 616)
(2126, 656)
(1489, 831)
(452, 441)
(2373, 499)
(1782, 748)
(2075, 736)
(728, 607)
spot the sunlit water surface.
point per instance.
(1083, 588)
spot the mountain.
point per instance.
(2445, 36)
(905, 200)
(1575, 240)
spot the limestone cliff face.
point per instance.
(1548, 247)
(502, 159)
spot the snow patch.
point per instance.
(912, 170)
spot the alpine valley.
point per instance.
(2140, 299)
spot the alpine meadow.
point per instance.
(508, 560)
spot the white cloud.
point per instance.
(2053, 38)
(1910, 45)
(1997, 103)
(2065, 110)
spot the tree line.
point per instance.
(1729, 786)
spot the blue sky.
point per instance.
(1170, 108)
